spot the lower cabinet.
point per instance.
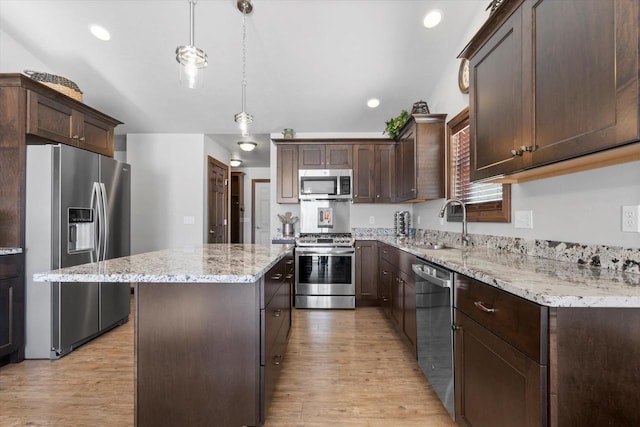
(397, 292)
(366, 272)
(11, 309)
(210, 353)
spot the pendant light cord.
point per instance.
(244, 55)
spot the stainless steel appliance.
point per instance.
(325, 271)
(434, 311)
(316, 184)
(77, 211)
(325, 216)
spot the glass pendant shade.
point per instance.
(192, 60)
(235, 163)
(247, 145)
(192, 63)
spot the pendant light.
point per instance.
(244, 119)
(247, 145)
(192, 60)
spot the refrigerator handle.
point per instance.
(105, 214)
(97, 241)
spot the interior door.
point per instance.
(217, 178)
(260, 208)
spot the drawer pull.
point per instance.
(288, 276)
(277, 313)
(289, 261)
(385, 299)
(483, 307)
(277, 276)
(276, 359)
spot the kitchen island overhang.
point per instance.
(208, 323)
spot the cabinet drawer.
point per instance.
(275, 314)
(519, 322)
(389, 254)
(272, 282)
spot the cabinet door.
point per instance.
(287, 174)
(366, 272)
(495, 102)
(410, 322)
(397, 300)
(339, 156)
(406, 166)
(363, 173)
(50, 119)
(7, 338)
(385, 173)
(495, 384)
(312, 156)
(11, 307)
(93, 134)
(385, 277)
(582, 86)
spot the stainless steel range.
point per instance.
(325, 271)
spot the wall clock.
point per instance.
(463, 76)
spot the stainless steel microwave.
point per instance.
(322, 184)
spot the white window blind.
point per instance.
(468, 192)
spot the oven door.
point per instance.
(325, 271)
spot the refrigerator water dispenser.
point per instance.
(81, 230)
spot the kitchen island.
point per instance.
(211, 327)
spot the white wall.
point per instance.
(15, 58)
(583, 207)
(250, 174)
(167, 185)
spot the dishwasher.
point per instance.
(434, 321)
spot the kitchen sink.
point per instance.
(431, 246)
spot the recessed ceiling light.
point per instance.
(432, 18)
(99, 32)
(373, 103)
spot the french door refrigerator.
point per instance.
(77, 211)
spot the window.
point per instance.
(486, 202)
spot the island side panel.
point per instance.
(197, 354)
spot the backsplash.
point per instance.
(607, 257)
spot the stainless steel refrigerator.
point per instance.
(78, 207)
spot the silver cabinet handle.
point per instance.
(483, 307)
(277, 276)
(276, 359)
(82, 139)
(515, 153)
(277, 313)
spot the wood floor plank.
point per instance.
(342, 368)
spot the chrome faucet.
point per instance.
(465, 238)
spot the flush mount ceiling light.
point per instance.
(373, 103)
(235, 163)
(191, 59)
(247, 145)
(432, 18)
(100, 32)
(244, 119)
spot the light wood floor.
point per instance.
(343, 368)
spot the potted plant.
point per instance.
(394, 124)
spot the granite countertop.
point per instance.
(211, 263)
(10, 251)
(544, 281)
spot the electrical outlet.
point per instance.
(523, 219)
(418, 219)
(372, 220)
(630, 221)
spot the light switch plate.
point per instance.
(523, 219)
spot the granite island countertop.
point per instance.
(209, 263)
(10, 251)
(547, 282)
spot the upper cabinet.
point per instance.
(325, 156)
(287, 173)
(420, 158)
(374, 173)
(553, 81)
(62, 121)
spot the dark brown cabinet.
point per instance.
(552, 81)
(374, 173)
(420, 158)
(237, 207)
(11, 309)
(366, 272)
(396, 280)
(287, 173)
(60, 121)
(227, 348)
(500, 357)
(325, 156)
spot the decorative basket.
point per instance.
(60, 84)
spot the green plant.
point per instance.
(394, 124)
